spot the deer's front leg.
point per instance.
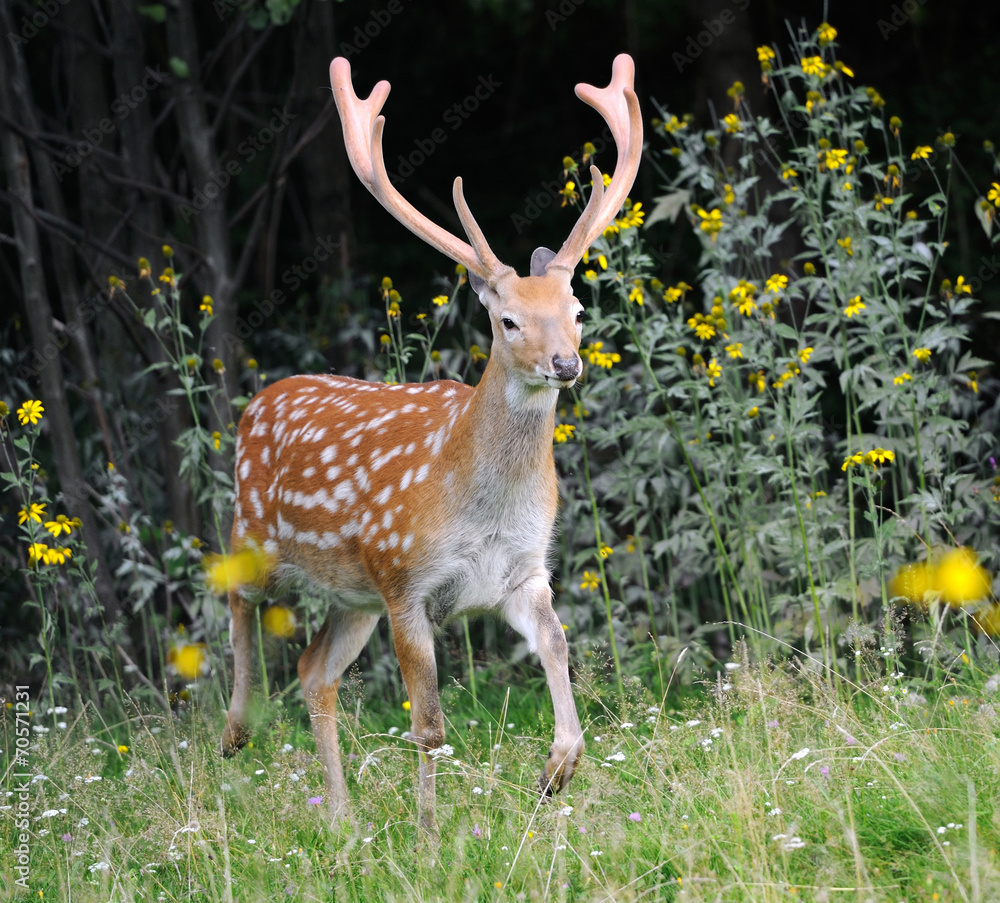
(236, 732)
(529, 611)
(414, 640)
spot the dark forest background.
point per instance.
(209, 126)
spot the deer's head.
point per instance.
(536, 319)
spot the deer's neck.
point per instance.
(507, 435)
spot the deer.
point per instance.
(425, 501)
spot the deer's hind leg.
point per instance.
(342, 637)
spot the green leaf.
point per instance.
(156, 11)
(179, 67)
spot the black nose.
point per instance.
(566, 368)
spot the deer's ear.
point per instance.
(540, 260)
(477, 283)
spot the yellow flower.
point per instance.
(788, 173)
(33, 512)
(714, 372)
(605, 551)
(735, 350)
(477, 354)
(569, 192)
(882, 201)
(406, 705)
(711, 221)
(563, 432)
(636, 293)
(279, 620)
(732, 123)
(30, 412)
(630, 544)
(37, 552)
(776, 283)
(590, 275)
(704, 331)
(384, 339)
(188, 660)
(851, 460)
(826, 34)
(902, 379)
(879, 456)
(922, 354)
(833, 158)
(633, 215)
(923, 152)
(843, 68)
(960, 579)
(216, 439)
(764, 53)
(757, 381)
(206, 305)
(805, 354)
(845, 243)
(728, 195)
(753, 412)
(393, 310)
(145, 271)
(962, 287)
(57, 556)
(994, 194)
(168, 277)
(590, 581)
(167, 251)
(61, 524)
(673, 125)
(856, 306)
(814, 65)
(122, 748)
(248, 567)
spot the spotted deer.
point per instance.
(425, 501)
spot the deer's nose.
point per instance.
(566, 368)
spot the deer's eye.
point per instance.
(579, 315)
(508, 323)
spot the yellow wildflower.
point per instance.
(923, 152)
(188, 660)
(845, 243)
(856, 306)
(247, 567)
(994, 194)
(711, 221)
(735, 350)
(605, 551)
(563, 432)
(279, 620)
(732, 123)
(826, 34)
(61, 524)
(591, 581)
(764, 53)
(833, 158)
(805, 354)
(713, 372)
(30, 412)
(814, 65)
(922, 354)
(902, 379)
(206, 305)
(962, 287)
(32, 512)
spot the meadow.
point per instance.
(775, 568)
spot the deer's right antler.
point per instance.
(363, 137)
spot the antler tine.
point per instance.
(619, 106)
(475, 234)
(363, 128)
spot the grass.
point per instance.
(767, 785)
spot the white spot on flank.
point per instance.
(384, 495)
(362, 479)
(356, 441)
(410, 448)
(422, 473)
(408, 542)
(328, 454)
(351, 461)
(271, 547)
(333, 472)
(393, 539)
(258, 505)
(265, 455)
(285, 529)
(245, 469)
(308, 472)
(407, 479)
(387, 521)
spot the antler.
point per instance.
(363, 137)
(619, 106)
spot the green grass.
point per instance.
(766, 785)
